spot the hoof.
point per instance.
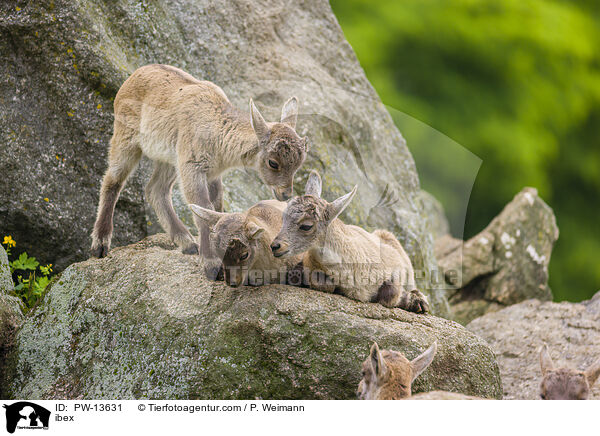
(191, 249)
(420, 303)
(214, 273)
(99, 251)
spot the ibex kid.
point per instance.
(388, 375)
(565, 383)
(242, 243)
(358, 264)
(192, 132)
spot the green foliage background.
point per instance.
(516, 82)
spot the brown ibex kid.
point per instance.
(388, 375)
(565, 383)
(242, 243)
(192, 132)
(345, 258)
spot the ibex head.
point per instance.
(234, 239)
(388, 375)
(565, 383)
(280, 150)
(306, 218)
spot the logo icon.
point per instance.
(26, 415)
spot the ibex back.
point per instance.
(192, 132)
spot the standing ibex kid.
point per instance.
(339, 257)
(192, 132)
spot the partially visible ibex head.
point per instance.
(388, 375)
(565, 383)
(306, 218)
(280, 150)
(234, 239)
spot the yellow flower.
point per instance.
(9, 241)
(46, 199)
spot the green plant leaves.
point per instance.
(24, 263)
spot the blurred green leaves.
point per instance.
(515, 82)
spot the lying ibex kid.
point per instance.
(242, 243)
(345, 258)
(192, 133)
(388, 375)
(565, 383)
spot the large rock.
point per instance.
(11, 316)
(504, 264)
(64, 61)
(571, 330)
(145, 323)
(6, 283)
(435, 215)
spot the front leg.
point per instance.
(215, 193)
(195, 189)
(316, 278)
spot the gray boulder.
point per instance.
(505, 263)
(64, 62)
(11, 316)
(6, 283)
(145, 323)
(516, 333)
(435, 214)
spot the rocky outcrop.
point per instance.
(6, 283)
(516, 333)
(435, 215)
(64, 61)
(11, 316)
(504, 264)
(145, 323)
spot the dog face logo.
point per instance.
(24, 414)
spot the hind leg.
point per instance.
(124, 156)
(159, 191)
(391, 295)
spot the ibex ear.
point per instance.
(378, 364)
(254, 230)
(420, 363)
(209, 216)
(593, 372)
(314, 184)
(337, 206)
(289, 112)
(257, 122)
(546, 363)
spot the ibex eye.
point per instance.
(273, 164)
(244, 256)
(306, 227)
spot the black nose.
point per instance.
(286, 196)
(275, 246)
